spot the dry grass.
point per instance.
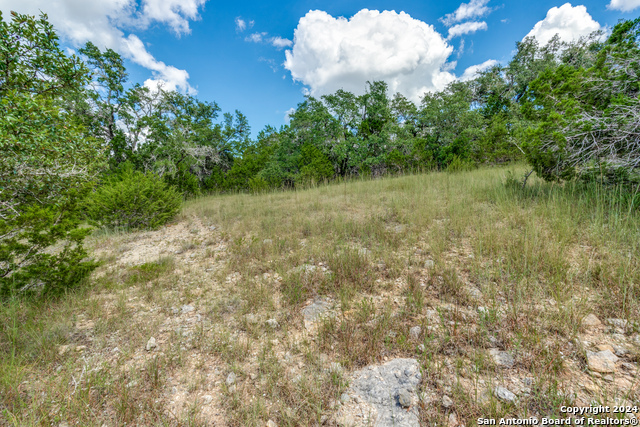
(474, 260)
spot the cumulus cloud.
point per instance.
(332, 53)
(624, 5)
(102, 22)
(569, 22)
(471, 72)
(175, 13)
(473, 9)
(466, 28)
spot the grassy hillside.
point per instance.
(472, 258)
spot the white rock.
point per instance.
(231, 379)
(503, 359)
(591, 321)
(602, 361)
(273, 323)
(504, 394)
(447, 402)
(151, 344)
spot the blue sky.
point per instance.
(235, 53)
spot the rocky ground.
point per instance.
(598, 365)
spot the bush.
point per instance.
(133, 200)
(41, 252)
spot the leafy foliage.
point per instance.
(48, 161)
(133, 200)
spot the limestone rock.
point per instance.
(602, 361)
(503, 359)
(273, 323)
(591, 321)
(315, 312)
(504, 394)
(383, 395)
(447, 402)
(231, 379)
(187, 309)
(151, 344)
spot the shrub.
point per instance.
(133, 200)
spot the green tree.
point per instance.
(47, 163)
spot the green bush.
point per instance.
(133, 200)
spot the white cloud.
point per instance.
(276, 41)
(241, 24)
(255, 37)
(175, 13)
(102, 22)
(287, 115)
(569, 22)
(624, 5)
(471, 10)
(466, 28)
(471, 72)
(332, 53)
(280, 43)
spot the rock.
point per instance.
(273, 323)
(415, 332)
(267, 241)
(207, 399)
(608, 378)
(231, 379)
(187, 309)
(429, 263)
(504, 394)
(447, 402)
(151, 344)
(603, 347)
(63, 349)
(399, 228)
(383, 395)
(591, 321)
(421, 348)
(232, 388)
(602, 361)
(628, 366)
(271, 423)
(474, 293)
(251, 318)
(503, 359)
(620, 324)
(304, 268)
(315, 312)
(344, 397)
(620, 350)
(405, 399)
(453, 420)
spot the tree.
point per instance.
(587, 120)
(47, 163)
